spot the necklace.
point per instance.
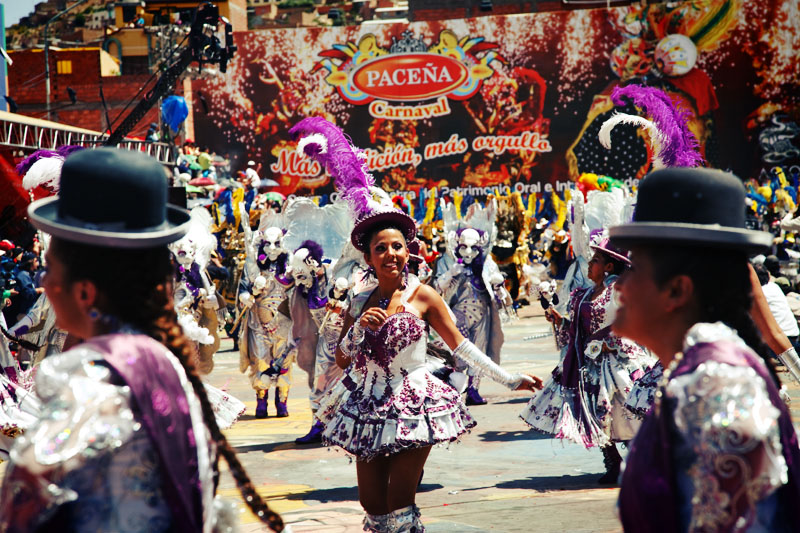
(383, 303)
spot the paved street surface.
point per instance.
(500, 477)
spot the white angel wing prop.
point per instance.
(329, 226)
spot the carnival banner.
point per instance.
(515, 101)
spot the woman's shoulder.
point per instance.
(58, 370)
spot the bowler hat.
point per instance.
(111, 197)
(690, 206)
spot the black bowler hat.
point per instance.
(111, 197)
(690, 206)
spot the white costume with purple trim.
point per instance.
(388, 400)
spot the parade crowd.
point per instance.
(673, 306)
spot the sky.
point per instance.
(16, 9)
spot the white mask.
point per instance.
(468, 247)
(273, 239)
(185, 251)
(303, 268)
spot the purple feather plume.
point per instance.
(351, 176)
(314, 250)
(680, 146)
(28, 162)
(67, 149)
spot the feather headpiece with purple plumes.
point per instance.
(315, 251)
(328, 145)
(43, 167)
(675, 145)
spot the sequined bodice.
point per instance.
(400, 342)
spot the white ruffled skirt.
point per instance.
(376, 416)
(227, 408)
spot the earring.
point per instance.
(94, 314)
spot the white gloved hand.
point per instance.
(246, 299)
(259, 284)
(211, 302)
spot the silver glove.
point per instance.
(470, 354)
(791, 361)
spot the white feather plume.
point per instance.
(314, 138)
(45, 171)
(200, 232)
(604, 135)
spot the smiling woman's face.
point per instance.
(388, 254)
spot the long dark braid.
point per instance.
(724, 291)
(135, 287)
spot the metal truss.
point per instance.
(23, 133)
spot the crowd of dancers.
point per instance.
(662, 347)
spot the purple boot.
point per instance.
(314, 436)
(473, 396)
(280, 405)
(261, 406)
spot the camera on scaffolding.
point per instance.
(204, 39)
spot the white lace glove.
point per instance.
(470, 354)
(447, 278)
(209, 301)
(791, 362)
(259, 285)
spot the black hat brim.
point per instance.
(713, 236)
(405, 222)
(44, 216)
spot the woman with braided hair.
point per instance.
(717, 451)
(127, 439)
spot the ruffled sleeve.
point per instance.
(84, 415)
(728, 428)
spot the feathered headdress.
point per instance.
(315, 251)
(328, 145)
(673, 144)
(43, 167)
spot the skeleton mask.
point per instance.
(469, 245)
(340, 287)
(303, 268)
(272, 240)
(185, 251)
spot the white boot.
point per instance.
(378, 523)
(406, 520)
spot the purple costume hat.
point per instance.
(328, 145)
(610, 250)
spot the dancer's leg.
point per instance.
(373, 485)
(404, 475)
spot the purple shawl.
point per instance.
(160, 405)
(647, 500)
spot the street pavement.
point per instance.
(499, 477)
